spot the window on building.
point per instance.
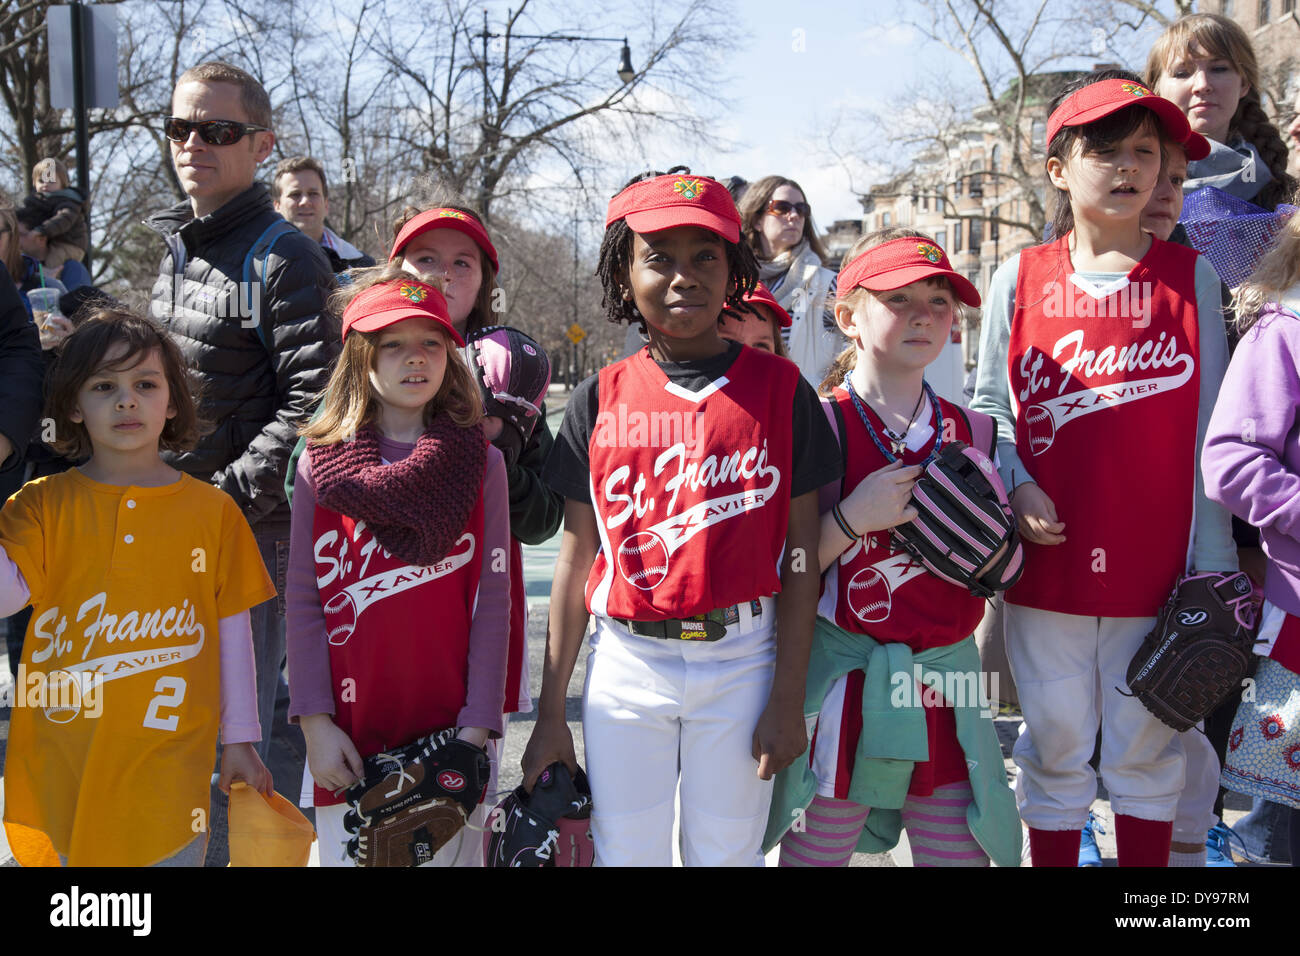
(1225, 7)
(976, 234)
(1265, 11)
(994, 232)
(956, 238)
(941, 237)
(1288, 6)
(884, 220)
(1038, 136)
(995, 158)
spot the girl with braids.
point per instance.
(678, 536)
(1206, 65)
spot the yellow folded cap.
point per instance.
(267, 831)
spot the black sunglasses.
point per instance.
(779, 207)
(212, 132)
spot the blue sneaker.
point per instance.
(1089, 852)
(1216, 846)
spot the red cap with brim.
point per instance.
(1098, 100)
(763, 296)
(900, 262)
(677, 199)
(388, 303)
(1196, 146)
(446, 218)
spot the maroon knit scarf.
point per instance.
(417, 507)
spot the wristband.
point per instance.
(843, 523)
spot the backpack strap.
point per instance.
(827, 495)
(254, 274)
(983, 429)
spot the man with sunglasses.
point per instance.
(249, 318)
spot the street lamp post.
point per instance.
(626, 72)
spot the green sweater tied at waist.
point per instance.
(894, 739)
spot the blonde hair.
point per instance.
(847, 360)
(350, 403)
(1222, 39)
(50, 169)
(1276, 272)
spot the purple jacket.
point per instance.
(1251, 460)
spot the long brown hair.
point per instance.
(753, 207)
(1221, 39)
(81, 356)
(485, 311)
(350, 404)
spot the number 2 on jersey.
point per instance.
(171, 691)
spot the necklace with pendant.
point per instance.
(898, 443)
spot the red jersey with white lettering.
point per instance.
(875, 590)
(398, 634)
(691, 489)
(1105, 393)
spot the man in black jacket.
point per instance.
(254, 326)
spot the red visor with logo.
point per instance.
(900, 262)
(677, 199)
(1098, 100)
(446, 218)
(763, 296)
(387, 303)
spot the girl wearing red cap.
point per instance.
(887, 755)
(690, 470)
(1100, 357)
(395, 567)
(758, 321)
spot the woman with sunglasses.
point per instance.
(778, 224)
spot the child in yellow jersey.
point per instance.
(140, 649)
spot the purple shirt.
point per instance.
(1251, 459)
(310, 690)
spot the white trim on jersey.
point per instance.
(672, 388)
(600, 594)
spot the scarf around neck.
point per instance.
(417, 507)
(1234, 167)
(791, 264)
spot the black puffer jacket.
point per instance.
(254, 394)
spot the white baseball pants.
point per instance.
(656, 711)
(1070, 671)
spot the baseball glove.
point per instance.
(413, 800)
(549, 827)
(1199, 650)
(964, 530)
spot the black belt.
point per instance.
(700, 627)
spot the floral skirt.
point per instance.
(1263, 756)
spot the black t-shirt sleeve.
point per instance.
(816, 459)
(568, 469)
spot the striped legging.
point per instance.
(936, 830)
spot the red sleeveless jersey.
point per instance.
(398, 634)
(877, 590)
(1105, 394)
(691, 489)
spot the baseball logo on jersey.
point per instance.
(871, 589)
(643, 557)
(344, 607)
(1045, 418)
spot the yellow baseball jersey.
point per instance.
(114, 731)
